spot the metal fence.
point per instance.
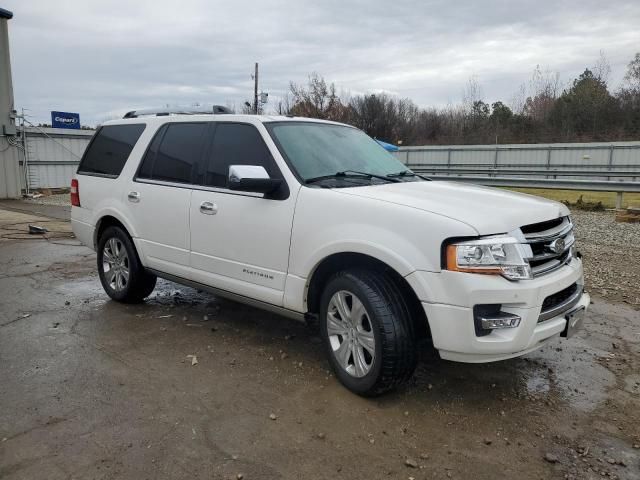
(611, 167)
(53, 155)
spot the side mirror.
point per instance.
(252, 178)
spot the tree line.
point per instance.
(545, 110)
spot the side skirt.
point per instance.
(231, 296)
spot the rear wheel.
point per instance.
(368, 330)
(122, 275)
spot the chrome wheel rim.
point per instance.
(115, 264)
(350, 334)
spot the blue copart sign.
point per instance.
(65, 120)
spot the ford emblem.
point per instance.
(557, 246)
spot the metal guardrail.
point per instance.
(605, 167)
(589, 185)
(619, 187)
(523, 170)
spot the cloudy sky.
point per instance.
(104, 58)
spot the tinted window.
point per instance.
(146, 169)
(236, 144)
(108, 151)
(174, 153)
(318, 149)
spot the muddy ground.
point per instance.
(93, 389)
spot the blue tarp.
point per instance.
(387, 146)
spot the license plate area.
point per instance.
(575, 319)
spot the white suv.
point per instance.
(314, 219)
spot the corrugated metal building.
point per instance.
(53, 155)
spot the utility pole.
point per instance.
(255, 91)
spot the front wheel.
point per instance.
(368, 331)
(122, 275)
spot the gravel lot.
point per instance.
(611, 256)
(61, 199)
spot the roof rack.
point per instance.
(166, 111)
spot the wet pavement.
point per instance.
(90, 388)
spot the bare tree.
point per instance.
(315, 99)
(544, 88)
(284, 104)
(472, 93)
(602, 68)
(518, 100)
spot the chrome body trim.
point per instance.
(551, 249)
(240, 172)
(562, 307)
(231, 296)
(208, 208)
(565, 227)
(191, 186)
(552, 265)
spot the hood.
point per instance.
(488, 210)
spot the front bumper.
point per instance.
(448, 299)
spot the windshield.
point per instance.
(318, 150)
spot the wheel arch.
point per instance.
(105, 222)
(349, 260)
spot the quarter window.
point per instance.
(109, 150)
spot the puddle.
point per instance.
(576, 376)
(537, 385)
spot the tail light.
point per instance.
(75, 193)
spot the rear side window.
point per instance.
(174, 153)
(109, 150)
(236, 144)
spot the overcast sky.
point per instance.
(103, 58)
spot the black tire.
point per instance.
(140, 283)
(390, 320)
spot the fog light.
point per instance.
(500, 320)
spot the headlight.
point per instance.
(500, 255)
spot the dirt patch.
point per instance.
(581, 204)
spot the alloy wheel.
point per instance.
(350, 333)
(115, 264)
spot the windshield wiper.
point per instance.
(407, 173)
(351, 173)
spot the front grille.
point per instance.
(554, 300)
(560, 302)
(550, 244)
(542, 226)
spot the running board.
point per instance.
(231, 296)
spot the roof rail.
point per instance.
(166, 111)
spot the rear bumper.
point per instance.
(451, 296)
(82, 228)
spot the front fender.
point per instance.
(382, 252)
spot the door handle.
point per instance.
(208, 208)
(134, 197)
